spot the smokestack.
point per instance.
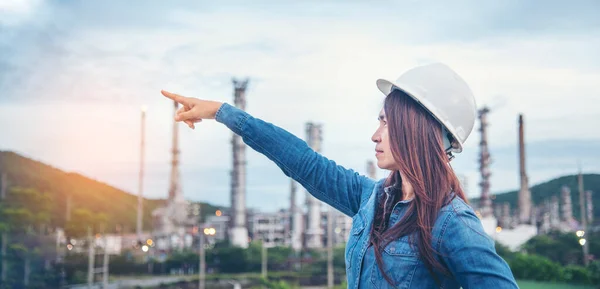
(238, 229)
(485, 204)
(582, 213)
(140, 205)
(524, 193)
(174, 187)
(295, 219)
(506, 216)
(371, 170)
(554, 213)
(314, 232)
(546, 225)
(498, 211)
(177, 205)
(567, 209)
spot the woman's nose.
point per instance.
(375, 138)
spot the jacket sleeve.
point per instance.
(331, 183)
(470, 254)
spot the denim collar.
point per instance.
(390, 190)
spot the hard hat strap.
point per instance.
(447, 138)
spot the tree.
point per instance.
(25, 213)
(504, 251)
(82, 219)
(559, 247)
(532, 267)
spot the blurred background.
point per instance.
(101, 189)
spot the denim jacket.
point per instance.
(458, 236)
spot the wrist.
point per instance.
(218, 109)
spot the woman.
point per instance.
(413, 229)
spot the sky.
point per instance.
(74, 76)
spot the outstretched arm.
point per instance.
(323, 178)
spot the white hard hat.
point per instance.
(443, 93)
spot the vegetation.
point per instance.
(555, 257)
(545, 191)
(551, 285)
(119, 208)
(25, 215)
(35, 204)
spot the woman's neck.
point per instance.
(407, 189)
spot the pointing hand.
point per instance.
(194, 110)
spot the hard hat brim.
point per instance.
(386, 86)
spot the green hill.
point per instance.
(546, 190)
(93, 195)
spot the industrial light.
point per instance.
(580, 233)
(581, 241)
(145, 248)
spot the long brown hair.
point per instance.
(417, 146)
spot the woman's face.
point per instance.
(381, 138)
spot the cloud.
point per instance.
(15, 12)
(84, 69)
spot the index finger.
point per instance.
(175, 97)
